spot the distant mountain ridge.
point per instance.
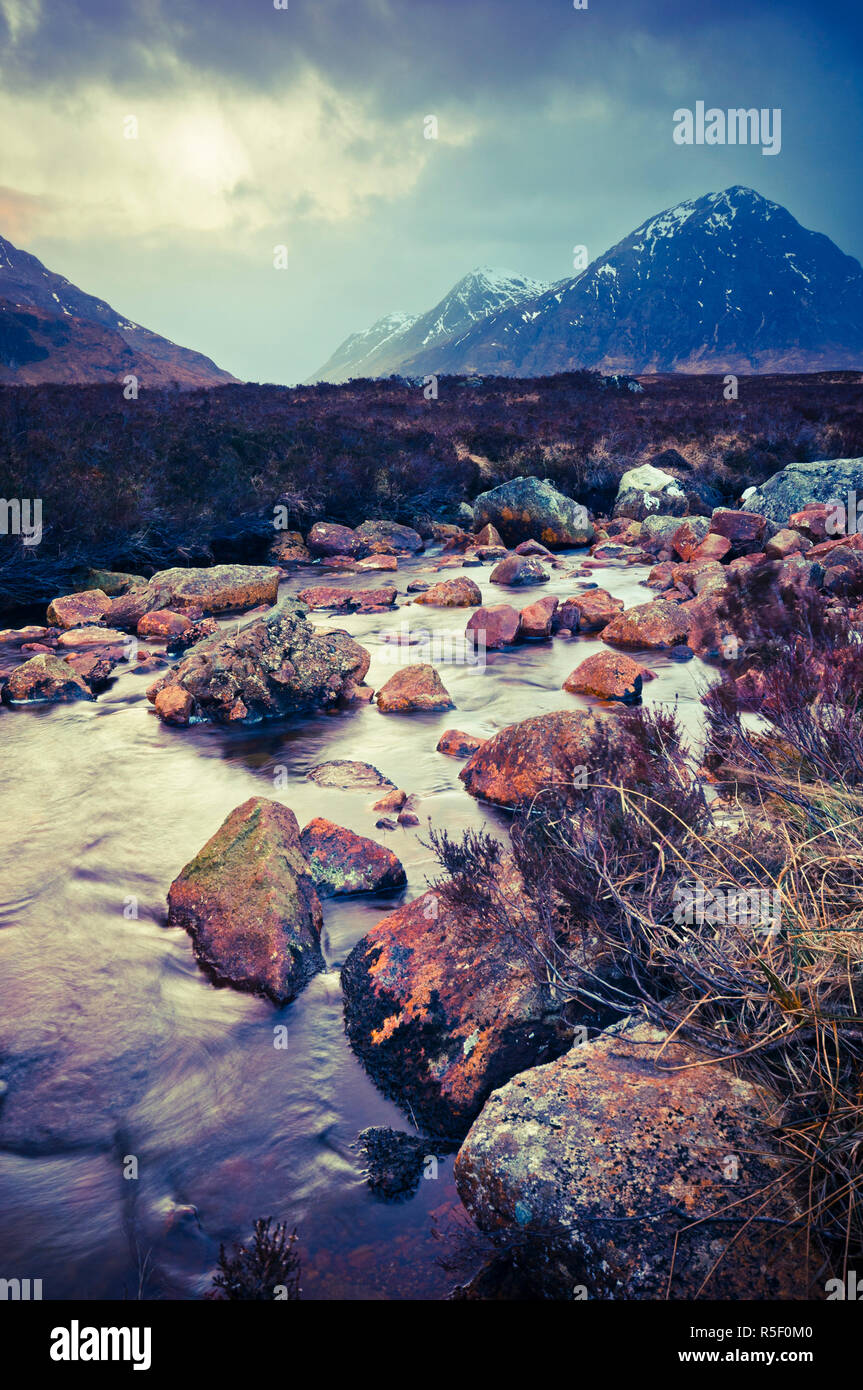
(50, 331)
(379, 350)
(727, 282)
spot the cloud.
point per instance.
(23, 216)
(304, 126)
(226, 164)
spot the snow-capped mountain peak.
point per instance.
(379, 350)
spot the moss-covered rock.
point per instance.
(249, 903)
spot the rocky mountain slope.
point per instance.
(50, 331)
(727, 282)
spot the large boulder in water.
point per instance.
(630, 1168)
(328, 538)
(440, 1020)
(45, 678)
(517, 570)
(589, 612)
(523, 760)
(277, 666)
(798, 485)
(220, 589)
(249, 903)
(494, 626)
(609, 676)
(531, 509)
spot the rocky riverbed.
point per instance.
(116, 1045)
(225, 975)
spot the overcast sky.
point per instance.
(260, 127)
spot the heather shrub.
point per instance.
(264, 1269)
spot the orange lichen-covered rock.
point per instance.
(689, 534)
(452, 593)
(388, 537)
(377, 562)
(344, 862)
(494, 625)
(786, 542)
(457, 744)
(415, 687)
(162, 622)
(220, 589)
(609, 675)
(523, 760)
(289, 550)
(351, 600)
(537, 618)
(45, 678)
(713, 547)
(654, 625)
(517, 570)
(652, 1173)
(745, 530)
(77, 610)
(327, 538)
(174, 705)
(589, 612)
(812, 521)
(438, 1018)
(661, 576)
(490, 536)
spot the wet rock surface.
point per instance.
(276, 666)
(615, 1156)
(394, 1161)
(518, 570)
(78, 610)
(344, 862)
(220, 589)
(459, 745)
(589, 612)
(452, 593)
(438, 1023)
(348, 600)
(248, 901)
(653, 626)
(494, 625)
(549, 751)
(45, 678)
(608, 675)
(416, 687)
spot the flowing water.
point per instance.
(114, 1046)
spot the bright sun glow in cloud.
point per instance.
(227, 164)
